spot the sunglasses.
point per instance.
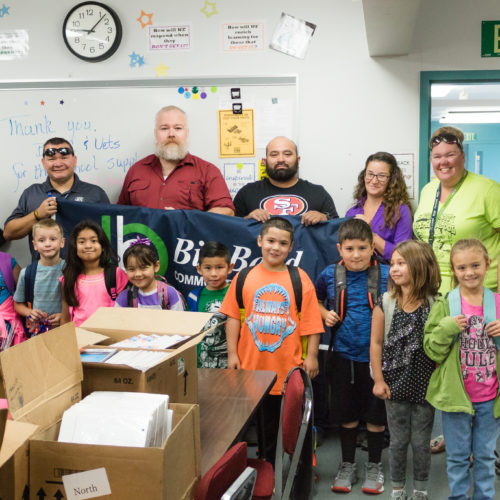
(50, 152)
(447, 138)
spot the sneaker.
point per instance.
(345, 478)
(398, 494)
(374, 479)
(419, 495)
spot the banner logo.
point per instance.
(134, 229)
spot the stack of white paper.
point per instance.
(152, 341)
(140, 360)
(118, 419)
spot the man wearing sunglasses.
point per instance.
(39, 201)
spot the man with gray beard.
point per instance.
(172, 178)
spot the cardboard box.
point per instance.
(14, 474)
(176, 376)
(42, 379)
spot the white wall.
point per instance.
(350, 105)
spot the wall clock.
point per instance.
(92, 31)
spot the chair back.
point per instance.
(294, 453)
(293, 409)
(223, 473)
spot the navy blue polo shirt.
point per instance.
(33, 196)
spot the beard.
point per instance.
(283, 175)
(171, 151)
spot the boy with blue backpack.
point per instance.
(38, 295)
(347, 293)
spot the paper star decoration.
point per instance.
(161, 70)
(136, 60)
(42, 103)
(145, 15)
(4, 11)
(61, 102)
(209, 9)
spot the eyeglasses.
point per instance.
(51, 152)
(369, 176)
(447, 138)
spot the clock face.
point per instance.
(92, 31)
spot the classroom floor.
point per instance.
(328, 458)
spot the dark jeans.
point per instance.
(409, 424)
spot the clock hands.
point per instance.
(92, 30)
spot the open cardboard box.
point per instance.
(176, 376)
(42, 379)
(14, 473)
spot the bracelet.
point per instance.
(35, 213)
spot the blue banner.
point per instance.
(178, 235)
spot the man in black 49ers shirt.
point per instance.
(283, 193)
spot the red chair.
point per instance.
(222, 475)
(294, 453)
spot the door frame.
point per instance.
(427, 78)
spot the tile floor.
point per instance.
(328, 458)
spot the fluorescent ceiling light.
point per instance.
(471, 117)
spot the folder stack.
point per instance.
(118, 419)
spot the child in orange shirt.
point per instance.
(270, 338)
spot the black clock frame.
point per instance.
(114, 46)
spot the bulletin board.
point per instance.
(110, 125)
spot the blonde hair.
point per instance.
(449, 130)
(466, 244)
(166, 109)
(46, 224)
(423, 269)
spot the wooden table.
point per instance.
(228, 399)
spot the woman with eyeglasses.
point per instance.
(382, 201)
(457, 204)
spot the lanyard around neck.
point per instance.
(435, 213)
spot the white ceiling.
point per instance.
(390, 25)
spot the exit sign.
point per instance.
(490, 39)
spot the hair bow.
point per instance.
(141, 241)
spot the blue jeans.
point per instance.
(477, 434)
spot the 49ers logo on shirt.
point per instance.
(284, 205)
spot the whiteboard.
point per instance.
(110, 124)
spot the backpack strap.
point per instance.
(490, 311)
(455, 302)
(6, 270)
(29, 283)
(297, 286)
(110, 280)
(340, 293)
(373, 282)
(240, 281)
(489, 307)
(162, 288)
(132, 300)
(389, 305)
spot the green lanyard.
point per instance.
(435, 214)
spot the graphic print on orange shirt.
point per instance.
(270, 322)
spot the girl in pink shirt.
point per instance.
(462, 335)
(84, 284)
